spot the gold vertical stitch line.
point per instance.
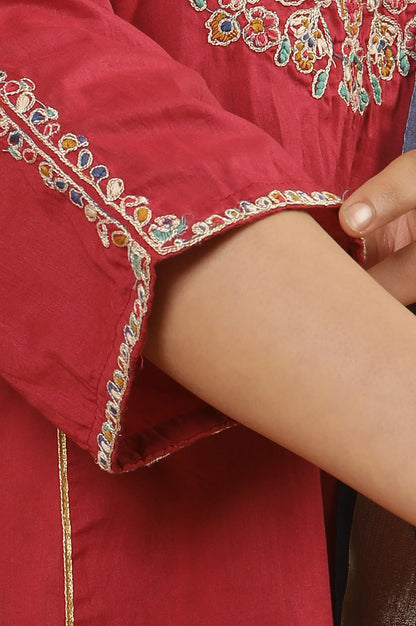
(66, 529)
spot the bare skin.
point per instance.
(277, 327)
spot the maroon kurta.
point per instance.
(115, 157)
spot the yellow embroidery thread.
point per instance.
(374, 45)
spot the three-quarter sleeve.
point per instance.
(113, 157)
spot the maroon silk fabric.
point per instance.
(130, 132)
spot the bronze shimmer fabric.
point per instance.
(381, 587)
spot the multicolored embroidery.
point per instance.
(305, 39)
(22, 146)
(73, 152)
(66, 165)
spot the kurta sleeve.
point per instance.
(114, 157)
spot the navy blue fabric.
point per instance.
(409, 142)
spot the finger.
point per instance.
(381, 199)
(396, 273)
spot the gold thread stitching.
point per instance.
(66, 529)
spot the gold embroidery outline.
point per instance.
(66, 528)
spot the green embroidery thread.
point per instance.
(367, 56)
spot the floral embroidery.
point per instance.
(30, 132)
(311, 45)
(167, 227)
(351, 88)
(262, 30)
(367, 56)
(382, 40)
(310, 42)
(410, 36)
(224, 29)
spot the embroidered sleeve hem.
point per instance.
(133, 239)
(119, 451)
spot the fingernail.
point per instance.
(358, 216)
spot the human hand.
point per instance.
(383, 212)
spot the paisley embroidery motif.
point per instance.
(367, 55)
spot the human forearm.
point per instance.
(279, 329)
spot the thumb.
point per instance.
(382, 199)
